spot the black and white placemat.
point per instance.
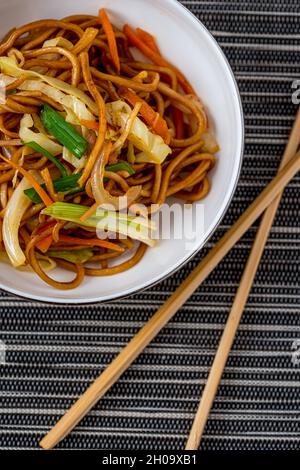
(54, 352)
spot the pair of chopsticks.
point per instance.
(269, 198)
(239, 303)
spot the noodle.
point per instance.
(88, 54)
(34, 263)
(84, 59)
(74, 62)
(121, 267)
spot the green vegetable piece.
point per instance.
(37, 148)
(63, 185)
(76, 256)
(137, 228)
(121, 166)
(63, 131)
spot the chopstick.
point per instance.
(238, 306)
(138, 343)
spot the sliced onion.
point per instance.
(47, 264)
(117, 114)
(76, 110)
(102, 197)
(27, 135)
(9, 66)
(127, 128)
(59, 41)
(56, 42)
(210, 142)
(77, 163)
(6, 80)
(15, 209)
(7, 152)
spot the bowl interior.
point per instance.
(186, 43)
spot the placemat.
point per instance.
(54, 352)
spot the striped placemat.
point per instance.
(54, 352)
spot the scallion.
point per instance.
(69, 184)
(37, 148)
(62, 185)
(121, 166)
(63, 131)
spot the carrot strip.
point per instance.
(112, 43)
(41, 192)
(44, 244)
(156, 58)
(92, 125)
(152, 118)
(89, 212)
(90, 242)
(179, 122)
(148, 39)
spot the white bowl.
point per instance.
(187, 43)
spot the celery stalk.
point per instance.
(137, 228)
(75, 256)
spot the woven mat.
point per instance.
(55, 352)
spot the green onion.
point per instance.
(62, 185)
(73, 256)
(121, 166)
(64, 132)
(37, 148)
(137, 228)
(69, 184)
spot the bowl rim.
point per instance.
(111, 298)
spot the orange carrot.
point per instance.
(152, 118)
(92, 125)
(41, 192)
(179, 122)
(139, 44)
(148, 39)
(44, 243)
(112, 43)
(156, 58)
(90, 242)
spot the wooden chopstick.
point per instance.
(138, 343)
(238, 306)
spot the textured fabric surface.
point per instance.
(54, 352)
